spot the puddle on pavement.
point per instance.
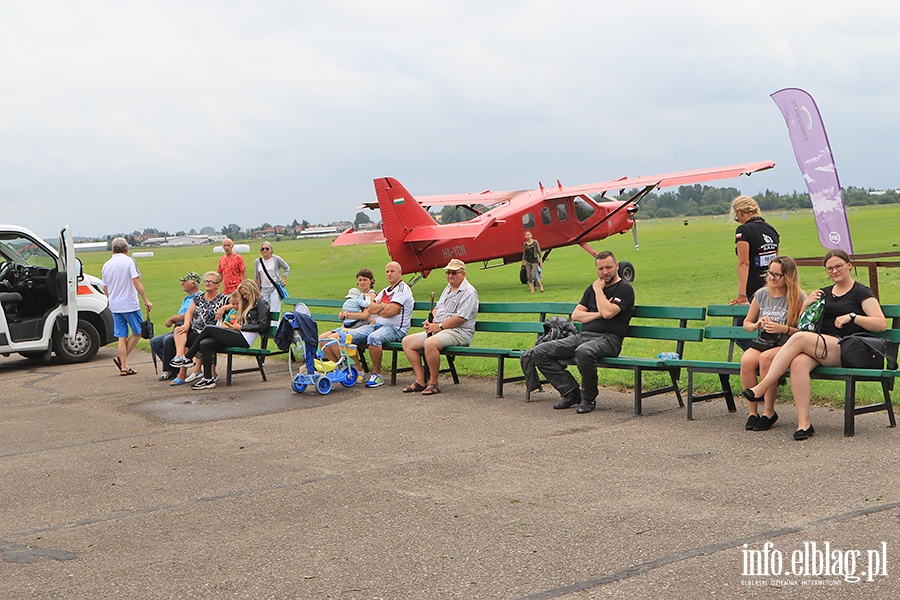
(215, 405)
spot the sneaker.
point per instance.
(204, 384)
(167, 375)
(193, 377)
(177, 381)
(375, 381)
(216, 377)
(180, 361)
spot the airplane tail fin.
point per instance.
(400, 214)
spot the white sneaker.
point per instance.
(193, 377)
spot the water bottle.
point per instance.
(667, 356)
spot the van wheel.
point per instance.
(626, 271)
(82, 348)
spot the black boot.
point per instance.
(586, 406)
(569, 400)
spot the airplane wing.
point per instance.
(486, 198)
(660, 181)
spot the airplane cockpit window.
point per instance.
(561, 213)
(528, 220)
(583, 210)
(546, 219)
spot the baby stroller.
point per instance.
(313, 370)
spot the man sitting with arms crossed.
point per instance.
(392, 309)
(604, 312)
(453, 325)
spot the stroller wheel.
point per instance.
(299, 387)
(323, 385)
(350, 379)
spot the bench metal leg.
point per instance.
(690, 396)
(637, 392)
(261, 361)
(228, 371)
(888, 405)
(725, 380)
(500, 376)
(674, 375)
(849, 408)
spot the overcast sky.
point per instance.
(120, 115)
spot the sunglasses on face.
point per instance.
(265, 249)
(211, 281)
(453, 272)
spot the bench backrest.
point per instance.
(736, 332)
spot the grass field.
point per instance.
(689, 264)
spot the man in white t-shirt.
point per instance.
(392, 309)
(122, 285)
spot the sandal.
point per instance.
(414, 387)
(128, 371)
(118, 363)
(431, 389)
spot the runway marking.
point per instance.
(646, 567)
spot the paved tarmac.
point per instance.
(125, 487)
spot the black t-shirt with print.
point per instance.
(763, 240)
(621, 294)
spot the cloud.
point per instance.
(119, 116)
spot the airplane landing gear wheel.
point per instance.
(626, 271)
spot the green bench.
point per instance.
(258, 352)
(535, 314)
(680, 334)
(850, 377)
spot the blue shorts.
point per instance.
(376, 335)
(123, 320)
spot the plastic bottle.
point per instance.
(667, 356)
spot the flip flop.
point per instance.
(118, 363)
(431, 389)
(128, 371)
(414, 387)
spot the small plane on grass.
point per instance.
(557, 216)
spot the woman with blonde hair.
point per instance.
(252, 319)
(850, 307)
(773, 312)
(756, 244)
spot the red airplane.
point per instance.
(557, 216)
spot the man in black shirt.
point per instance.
(604, 312)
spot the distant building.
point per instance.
(91, 247)
(178, 240)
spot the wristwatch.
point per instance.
(441, 325)
(852, 317)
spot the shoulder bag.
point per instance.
(865, 351)
(282, 291)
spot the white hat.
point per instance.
(353, 293)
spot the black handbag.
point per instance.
(863, 351)
(147, 329)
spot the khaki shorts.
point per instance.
(447, 337)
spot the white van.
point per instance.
(47, 303)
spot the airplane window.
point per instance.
(561, 213)
(545, 216)
(528, 220)
(583, 210)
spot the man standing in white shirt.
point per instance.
(122, 285)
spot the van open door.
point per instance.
(69, 279)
